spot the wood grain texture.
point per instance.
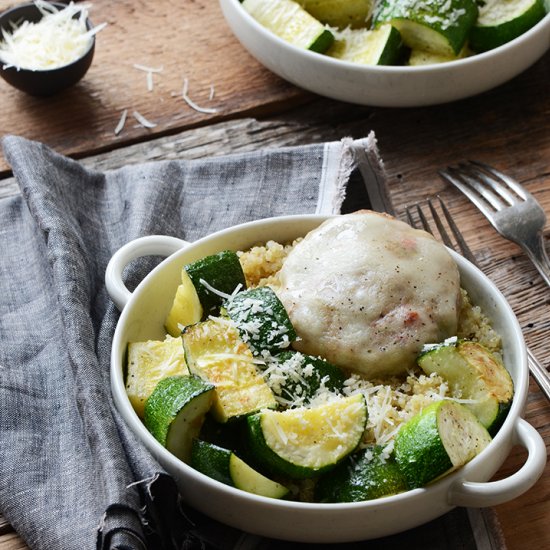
(12, 541)
(411, 166)
(508, 127)
(187, 38)
(4, 526)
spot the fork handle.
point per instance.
(536, 251)
(539, 373)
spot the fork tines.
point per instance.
(417, 219)
(484, 185)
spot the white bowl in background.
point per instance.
(142, 317)
(387, 86)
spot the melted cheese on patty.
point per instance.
(366, 292)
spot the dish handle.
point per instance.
(492, 493)
(152, 245)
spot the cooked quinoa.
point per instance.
(391, 402)
(474, 325)
(262, 263)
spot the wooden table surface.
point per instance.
(508, 127)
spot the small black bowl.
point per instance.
(42, 82)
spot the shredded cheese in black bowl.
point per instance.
(46, 47)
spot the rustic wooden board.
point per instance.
(414, 143)
(507, 127)
(11, 541)
(188, 38)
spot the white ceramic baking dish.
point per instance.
(142, 317)
(387, 86)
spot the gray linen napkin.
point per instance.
(72, 475)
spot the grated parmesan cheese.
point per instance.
(59, 38)
(191, 103)
(121, 122)
(149, 73)
(148, 69)
(215, 291)
(143, 121)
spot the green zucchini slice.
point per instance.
(289, 21)
(261, 319)
(175, 411)
(148, 363)
(420, 57)
(186, 308)
(443, 437)
(439, 26)
(382, 46)
(296, 378)
(215, 278)
(304, 443)
(225, 466)
(476, 375)
(215, 352)
(364, 475)
(340, 13)
(501, 21)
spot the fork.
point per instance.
(510, 208)
(420, 221)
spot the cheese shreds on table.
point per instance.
(143, 121)
(149, 73)
(148, 69)
(121, 122)
(191, 103)
(58, 39)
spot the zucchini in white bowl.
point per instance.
(142, 319)
(449, 70)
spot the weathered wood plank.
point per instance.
(81, 121)
(411, 166)
(12, 541)
(5, 527)
(188, 39)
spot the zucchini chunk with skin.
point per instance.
(289, 21)
(441, 438)
(296, 378)
(500, 21)
(175, 412)
(477, 375)
(261, 319)
(225, 466)
(367, 474)
(215, 352)
(148, 363)
(230, 435)
(381, 46)
(438, 26)
(216, 277)
(340, 13)
(186, 308)
(420, 57)
(303, 443)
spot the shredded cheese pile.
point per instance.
(58, 39)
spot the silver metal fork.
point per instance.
(417, 218)
(510, 208)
